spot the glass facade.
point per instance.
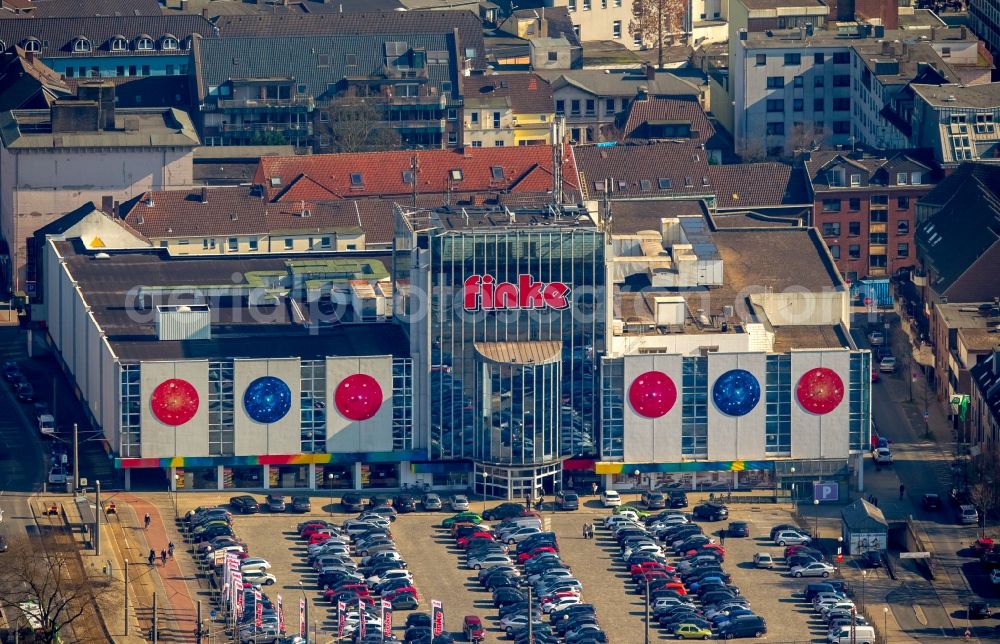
(573, 256)
(859, 398)
(221, 414)
(694, 407)
(402, 403)
(778, 401)
(612, 409)
(130, 401)
(313, 407)
(517, 410)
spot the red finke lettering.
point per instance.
(482, 292)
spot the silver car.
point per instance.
(489, 560)
(459, 503)
(431, 501)
(815, 569)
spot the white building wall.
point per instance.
(689, 344)
(163, 441)
(282, 437)
(346, 435)
(110, 412)
(826, 435)
(736, 437)
(652, 439)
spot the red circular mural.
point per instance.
(174, 402)
(358, 397)
(820, 390)
(652, 394)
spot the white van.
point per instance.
(862, 635)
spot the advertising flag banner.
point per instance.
(341, 618)
(302, 618)
(362, 621)
(281, 616)
(386, 620)
(258, 609)
(437, 617)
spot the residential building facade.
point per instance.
(960, 123)
(984, 18)
(507, 109)
(601, 20)
(865, 208)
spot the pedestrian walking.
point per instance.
(147, 521)
(527, 501)
(170, 549)
(590, 530)
(593, 488)
(585, 535)
(902, 490)
(722, 537)
(152, 556)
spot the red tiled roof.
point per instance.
(328, 176)
(677, 109)
(757, 185)
(527, 93)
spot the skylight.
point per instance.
(357, 181)
(496, 172)
(456, 175)
(663, 183)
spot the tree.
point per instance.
(754, 150)
(984, 483)
(356, 125)
(48, 584)
(803, 137)
(654, 21)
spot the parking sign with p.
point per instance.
(826, 491)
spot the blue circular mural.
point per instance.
(736, 392)
(267, 399)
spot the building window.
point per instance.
(903, 227)
(842, 80)
(144, 43)
(761, 59)
(233, 244)
(252, 243)
(854, 251)
(590, 107)
(325, 242)
(402, 403)
(878, 239)
(169, 43)
(818, 81)
(34, 46)
(553, 56)
(859, 395)
(835, 252)
(831, 229)
(663, 183)
(818, 59)
(130, 397)
(694, 407)
(477, 144)
(498, 143)
(117, 44)
(313, 405)
(452, 138)
(916, 178)
(612, 408)
(831, 205)
(854, 228)
(574, 107)
(452, 113)
(357, 180)
(879, 200)
(324, 117)
(797, 81)
(775, 129)
(609, 106)
(775, 82)
(586, 5)
(878, 216)
(855, 180)
(946, 52)
(842, 104)
(221, 408)
(841, 127)
(618, 3)
(775, 105)
(560, 107)
(854, 204)
(797, 104)
(902, 203)
(778, 424)
(877, 261)
(818, 105)
(208, 244)
(793, 59)
(289, 243)
(616, 29)
(81, 45)
(841, 58)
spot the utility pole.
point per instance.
(126, 597)
(97, 519)
(76, 458)
(531, 619)
(646, 639)
(197, 631)
(155, 625)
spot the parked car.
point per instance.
(815, 569)
(405, 503)
(677, 499)
(887, 364)
(352, 502)
(275, 502)
(876, 338)
(568, 501)
(882, 456)
(459, 503)
(610, 499)
(711, 511)
(244, 504)
(967, 514)
(979, 610)
(931, 502)
(472, 628)
(504, 511)
(738, 529)
(871, 559)
(743, 626)
(431, 502)
(763, 560)
(653, 500)
(301, 504)
(786, 537)
(25, 392)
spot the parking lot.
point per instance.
(439, 572)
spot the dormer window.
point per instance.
(901, 178)
(357, 181)
(82, 44)
(33, 45)
(118, 43)
(855, 180)
(144, 43)
(168, 43)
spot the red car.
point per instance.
(358, 589)
(309, 528)
(403, 589)
(319, 536)
(709, 547)
(472, 628)
(463, 542)
(982, 545)
(526, 556)
(645, 566)
(556, 596)
(794, 549)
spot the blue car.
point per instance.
(719, 620)
(705, 580)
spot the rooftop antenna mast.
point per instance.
(557, 161)
(414, 170)
(608, 212)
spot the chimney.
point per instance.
(650, 72)
(641, 93)
(75, 116)
(29, 56)
(204, 195)
(108, 204)
(103, 93)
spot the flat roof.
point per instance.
(968, 315)
(630, 217)
(787, 338)
(957, 96)
(469, 218)
(274, 329)
(134, 128)
(980, 340)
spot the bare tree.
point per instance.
(356, 125)
(47, 586)
(803, 137)
(984, 483)
(754, 150)
(654, 21)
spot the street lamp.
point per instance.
(864, 576)
(816, 503)
(330, 476)
(885, 623)
(646, 640)
(177, 478)
(636, 475)
(791, 471)
(486, 475)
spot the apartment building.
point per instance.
(802, 87)
(507, 109)
(959, 122)
(865, 209)
(984, 18)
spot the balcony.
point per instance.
(876, 249)
(291, 128)
(400, 73)
(878, 227)
(296, 104)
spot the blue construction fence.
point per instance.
(878, 290)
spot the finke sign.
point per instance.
(483, 292)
